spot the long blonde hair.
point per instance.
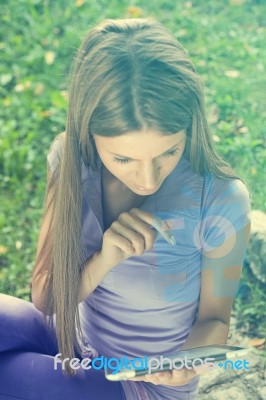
(128, 75)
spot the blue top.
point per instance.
(147, 305)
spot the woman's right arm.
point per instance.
(131, 227)
(40, 274)
(129, 235)
(93, 272)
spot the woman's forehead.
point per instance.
(133, 143)
(141, 135)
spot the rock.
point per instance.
(229, 384)
(257, 245)
(231, 393)
(262, 392)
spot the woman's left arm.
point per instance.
(220, 275)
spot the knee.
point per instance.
(11, 306)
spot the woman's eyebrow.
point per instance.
(119, 155)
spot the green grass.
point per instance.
(220, 36)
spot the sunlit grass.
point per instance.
(226, 43)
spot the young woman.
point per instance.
(135, 166)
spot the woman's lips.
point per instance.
(145, 190)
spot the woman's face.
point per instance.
(141, 160)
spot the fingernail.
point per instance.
(169, 224)
(172, 240)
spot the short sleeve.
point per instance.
(225, 211)
(55, 152)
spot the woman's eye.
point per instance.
(126, 160)
(171, 153)
(121, 160)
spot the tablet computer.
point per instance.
(124, 368)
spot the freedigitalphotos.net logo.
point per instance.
(150, 364)
(124, 363)
(237, 364)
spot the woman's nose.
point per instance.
(148, 178)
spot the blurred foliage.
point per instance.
(39, 38)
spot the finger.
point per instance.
(184, 374)
(149, 233)
(164, 374)
(138, 378)
(155, 221)
(169, 224)
(202, 369)
(135, 238)
(162, 227)
(139, 226)
(157, 378)
(146, 378)
(120, 241)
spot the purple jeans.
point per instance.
(27, 371)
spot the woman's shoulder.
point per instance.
(224, 190)
(225, 203)
(58, 140)
(55, 154)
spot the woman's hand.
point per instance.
(130, 235)
(175, 377)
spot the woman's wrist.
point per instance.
(93, 273)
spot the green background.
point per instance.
(225, 40)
